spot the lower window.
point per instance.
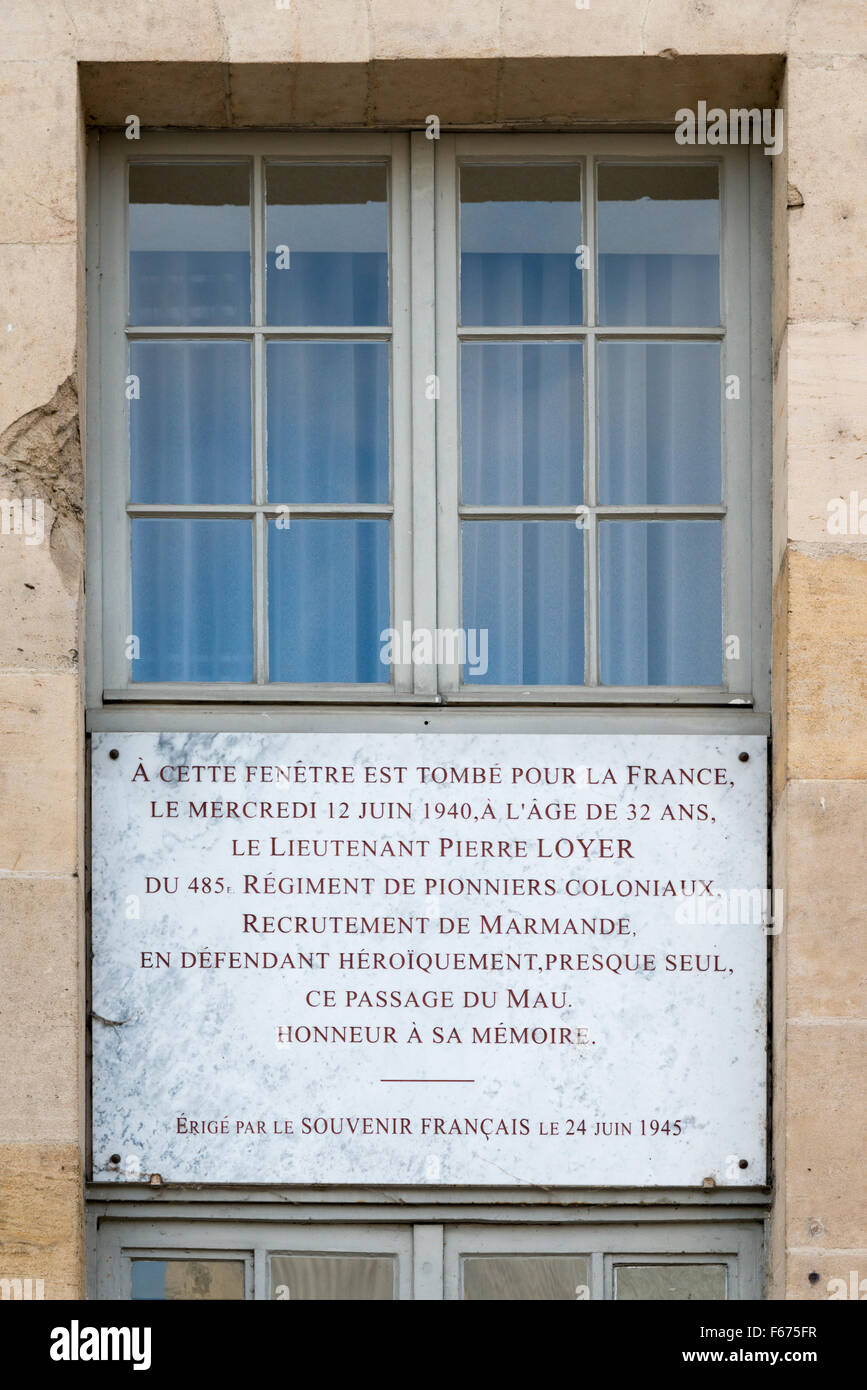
(557, 1261)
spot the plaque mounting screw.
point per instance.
(743, 757)
(113, 753)
(814, 1277)
(743, 1163)
(115, 1158)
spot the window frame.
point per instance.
(113, 508)
(424, 505)
(427, 1242)
(733, 335)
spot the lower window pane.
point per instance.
(670, 1282)
(523, 595)
(192, 600)
(337, 1278)
(560, 1278)
(660, 602)
(187, 1279)
(328, 600)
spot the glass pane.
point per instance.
(187, 1279)
(189, 423)
(328, 422)
(658, 233)
(328, 599)
(192, 600)
(338, 1278)
(660, 602)
(659, 422)
(522, 423)
(523, 601)
(189, 244)
(560, 1278)
(327, 254)
(520, 232)
(674, 1282)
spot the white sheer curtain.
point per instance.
(659, 414)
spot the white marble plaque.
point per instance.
(430, 958)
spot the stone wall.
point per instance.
(220, 63)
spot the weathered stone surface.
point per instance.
(42, 544)
(42, 1016)
(33, 31)
(829, 1265)
(158, 31)
(547, 91)
(38, 129)
(827, 127)
(826, 26)
(303, 31)
(827, 429)
(40, 594)
(159, 93)
(693, 26)
(826, 662)
(779, 682)
(40, 454)
(40, 773)
(38, 325)
(42, 1216)
(328, 94)
(465, 91)
(826, 831)
(826, 1097)
(449, 29)
(553, 28)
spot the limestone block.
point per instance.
(38, 132)
(829, 1265)
(826, 830)
(449, 29)
(825, 141)
(42, 1014)
(826, 1093)
(42, 1216)
(38, 312)
(826, 663)
(827, 429)
(40, 773)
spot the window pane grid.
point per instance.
(593, 334)
(261, 510)
(604, 506)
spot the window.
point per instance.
(392, 419)
(430, 1254)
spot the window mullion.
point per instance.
(424, 393)
(447, 367)
(257, 241)
(591, 442)
(260, 481)
(260, 600)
